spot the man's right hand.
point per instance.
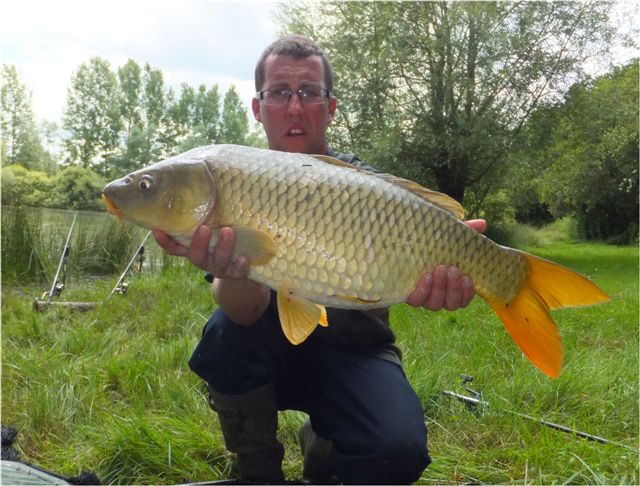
(243, 300)
(220, 263)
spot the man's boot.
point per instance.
(249, 423)
(315, 451)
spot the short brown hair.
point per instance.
(298, 47)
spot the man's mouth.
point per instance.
(294, 132)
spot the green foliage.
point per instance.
(23, 187)
(235, 125)
(92, 115)
(72, 187)
(24, 255)
(130, 78)
(75, 187)
(120, 123)
(33, 240)
(519, 235)
(437, 91)
(110, 390)
(195, 117)
(21, 142)
(598, 136)
(580, 158)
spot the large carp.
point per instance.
(323, 233)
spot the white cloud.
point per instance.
(193, 42)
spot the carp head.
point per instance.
(175, 196)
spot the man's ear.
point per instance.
(333, 104)
(255, 106)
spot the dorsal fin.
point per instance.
(332, 160)
(434, 197)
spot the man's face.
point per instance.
(295, 127)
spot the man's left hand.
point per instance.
(445, 287)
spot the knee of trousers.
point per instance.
(402, 459)
(393, 456)
(223, 357)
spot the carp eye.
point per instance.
(145, 183)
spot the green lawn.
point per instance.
(110, 390)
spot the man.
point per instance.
(366, 422)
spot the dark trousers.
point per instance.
(364, 404)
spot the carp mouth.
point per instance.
(112, 208)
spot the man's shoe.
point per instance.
(315, 451)
(249, 423)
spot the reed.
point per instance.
(24, 254)
(33, 240)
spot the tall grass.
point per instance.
(110, 390)
(33, 240)
(24, 254)
(518, 235)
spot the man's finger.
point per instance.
(239, 267)
(468, 291)
(222, 254)
(453, 295)
(438, 289)
(419, 295)
(480, 225)
(170, 246)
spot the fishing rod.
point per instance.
(476, 401)
(57, 288)
(121, 286)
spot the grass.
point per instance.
(110, 390)
(597, 391)
(33, 240)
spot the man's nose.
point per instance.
(294, 105)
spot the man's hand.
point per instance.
(445, 287)
(243, 300)
(220, 263)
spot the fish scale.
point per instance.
(321, 232)
(345, 226)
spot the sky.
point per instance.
(194, 42)
(197, 42)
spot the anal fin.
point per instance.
(298, 316)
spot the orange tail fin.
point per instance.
(547, 286)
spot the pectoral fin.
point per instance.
(299, 317)
(258, 246)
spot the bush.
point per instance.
(76, 187)
(23, 187)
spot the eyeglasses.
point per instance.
(282, 96)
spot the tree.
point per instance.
(20, 140)
(92, 116)
(235, 125)
(154, 96)
(437, 91)
(185, 109)
(157, 140)
(24, 187)
(207, 114)
(51, 137)
(130, 79)
(76, 187)
(592, 156)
